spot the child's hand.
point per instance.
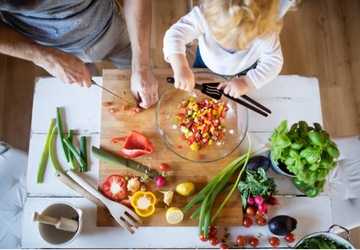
(183, 75)
(236, 87)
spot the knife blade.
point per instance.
(103, 88)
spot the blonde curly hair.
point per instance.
(236, 23)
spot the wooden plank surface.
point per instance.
(312, 214)
(321, 39)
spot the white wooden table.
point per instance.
(289, 97)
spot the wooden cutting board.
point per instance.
(121, 123)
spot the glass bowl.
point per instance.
(236, 125)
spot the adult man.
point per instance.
(60, 36)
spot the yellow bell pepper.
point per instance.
(143, 203)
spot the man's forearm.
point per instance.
(15, 44)
(138, 18)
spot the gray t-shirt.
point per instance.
(71, 25)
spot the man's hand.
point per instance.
(63, 66)
(236, 87)
(144, 87)
(66, 67)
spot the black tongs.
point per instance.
(211, 90)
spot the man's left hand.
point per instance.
(144, 87)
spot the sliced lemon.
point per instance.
(174, 215)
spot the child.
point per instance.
(235, 37)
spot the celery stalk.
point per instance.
(74, 164)
(45, 155)
(61, 131)
(52, 151)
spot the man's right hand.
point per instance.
(65, 67)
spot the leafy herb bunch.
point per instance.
(256, 183)
(307, 151)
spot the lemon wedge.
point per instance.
(174, 215)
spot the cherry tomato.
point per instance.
(274, 241)
(290, 237)
(259, 213)
(260, 220)
(115, 187)
(214, 241)
(224, 246)
(203, 237)
(241, 241)
(247, 222)
(254, 242)
(251, 211)
(164, 167)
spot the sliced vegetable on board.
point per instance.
(136, 145)
(174, 215)
(168, 197)
(115, 188)
(45, 154)
(143, 203)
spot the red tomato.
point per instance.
(214, 241)
(290, 238)
(254, 242)
(251, 211)
(114, 187)
(203, 237)
(224, 246)
(164, 167)
(241, 241)
(259, 213)
(260, 220)
(247, 222)
(274, 241)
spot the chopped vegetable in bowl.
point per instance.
(224, 129)
(202, 121)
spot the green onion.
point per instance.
(52, 151)
(205, 199)
(74, 164)
(234, 185)
(83, 153)
(75, 153)
(45, 155)
(61, 131)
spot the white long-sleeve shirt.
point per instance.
(265, 51)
